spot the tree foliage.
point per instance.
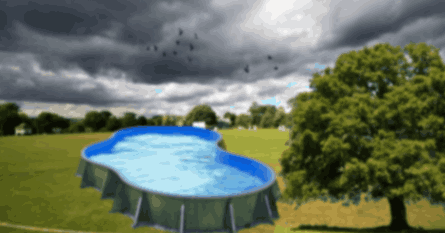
(292, 102)
(157, 120)
(201, 113)
(180, 120)
(267, 119)
(106, 115)
(279, 118)
(257, 113)
(142, 120)
(60, 122)
(26, 119)
(243, 120)
(46, 121)
(230, 116)
(363, 130)
(113, 124)
(94, 120)
(129, 120)
(169, 120)
(77, 127)
(9, 118)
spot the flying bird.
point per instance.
(246, 69)
(177, 42)
(276, 68)
(196, 36)
(175, 53)
(269, 57)
(191, 47)
(180, 31)
(156, 48)
(164, 54)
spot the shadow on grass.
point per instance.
(325, 228)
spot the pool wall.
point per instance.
(182, 213)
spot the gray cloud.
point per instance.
(373, 19)
(26, 85)
(15, 87)
(270, 90)
(231, 100)
(63, 33)
(108, 39)
(176, 98)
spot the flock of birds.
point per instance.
(191, 47)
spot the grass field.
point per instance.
(38, 188)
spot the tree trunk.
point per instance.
(398, 214)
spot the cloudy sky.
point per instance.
(70, 57)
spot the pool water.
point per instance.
(176, 164)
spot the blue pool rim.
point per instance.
(111, 141)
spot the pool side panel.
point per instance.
(163, 211)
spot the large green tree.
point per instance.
(243, 120)
(129, 120)
(230, 116)
(43, 123)
(201, 113)
(279, 118)
(26, 119)
(9, 118)
(60, 122)
(292, 102)
(180, 120)
(267, 120)
(113, 124)
(142, 120)
(363, 130)
(47, 121)
(288, 124)
(94, 120)
(106, 115)
(157, 120)
(257, 113)
(150, 122)
(169, 120)
(77, 127)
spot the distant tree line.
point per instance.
(264, 116)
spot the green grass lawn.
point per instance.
(38, 188)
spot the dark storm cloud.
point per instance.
(25, 85)
(54, 92)
(73, 18)
(181, 97)
(270, 90)
(375, 19)
(112, 35)
(179, 70)
(134, 23)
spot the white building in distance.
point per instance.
(199, 124)
(23, 129)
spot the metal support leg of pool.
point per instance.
(268, 206)
(138, 209)
(232, 217)
(181, 224)
(103, 183)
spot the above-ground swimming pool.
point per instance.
(180, 179)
